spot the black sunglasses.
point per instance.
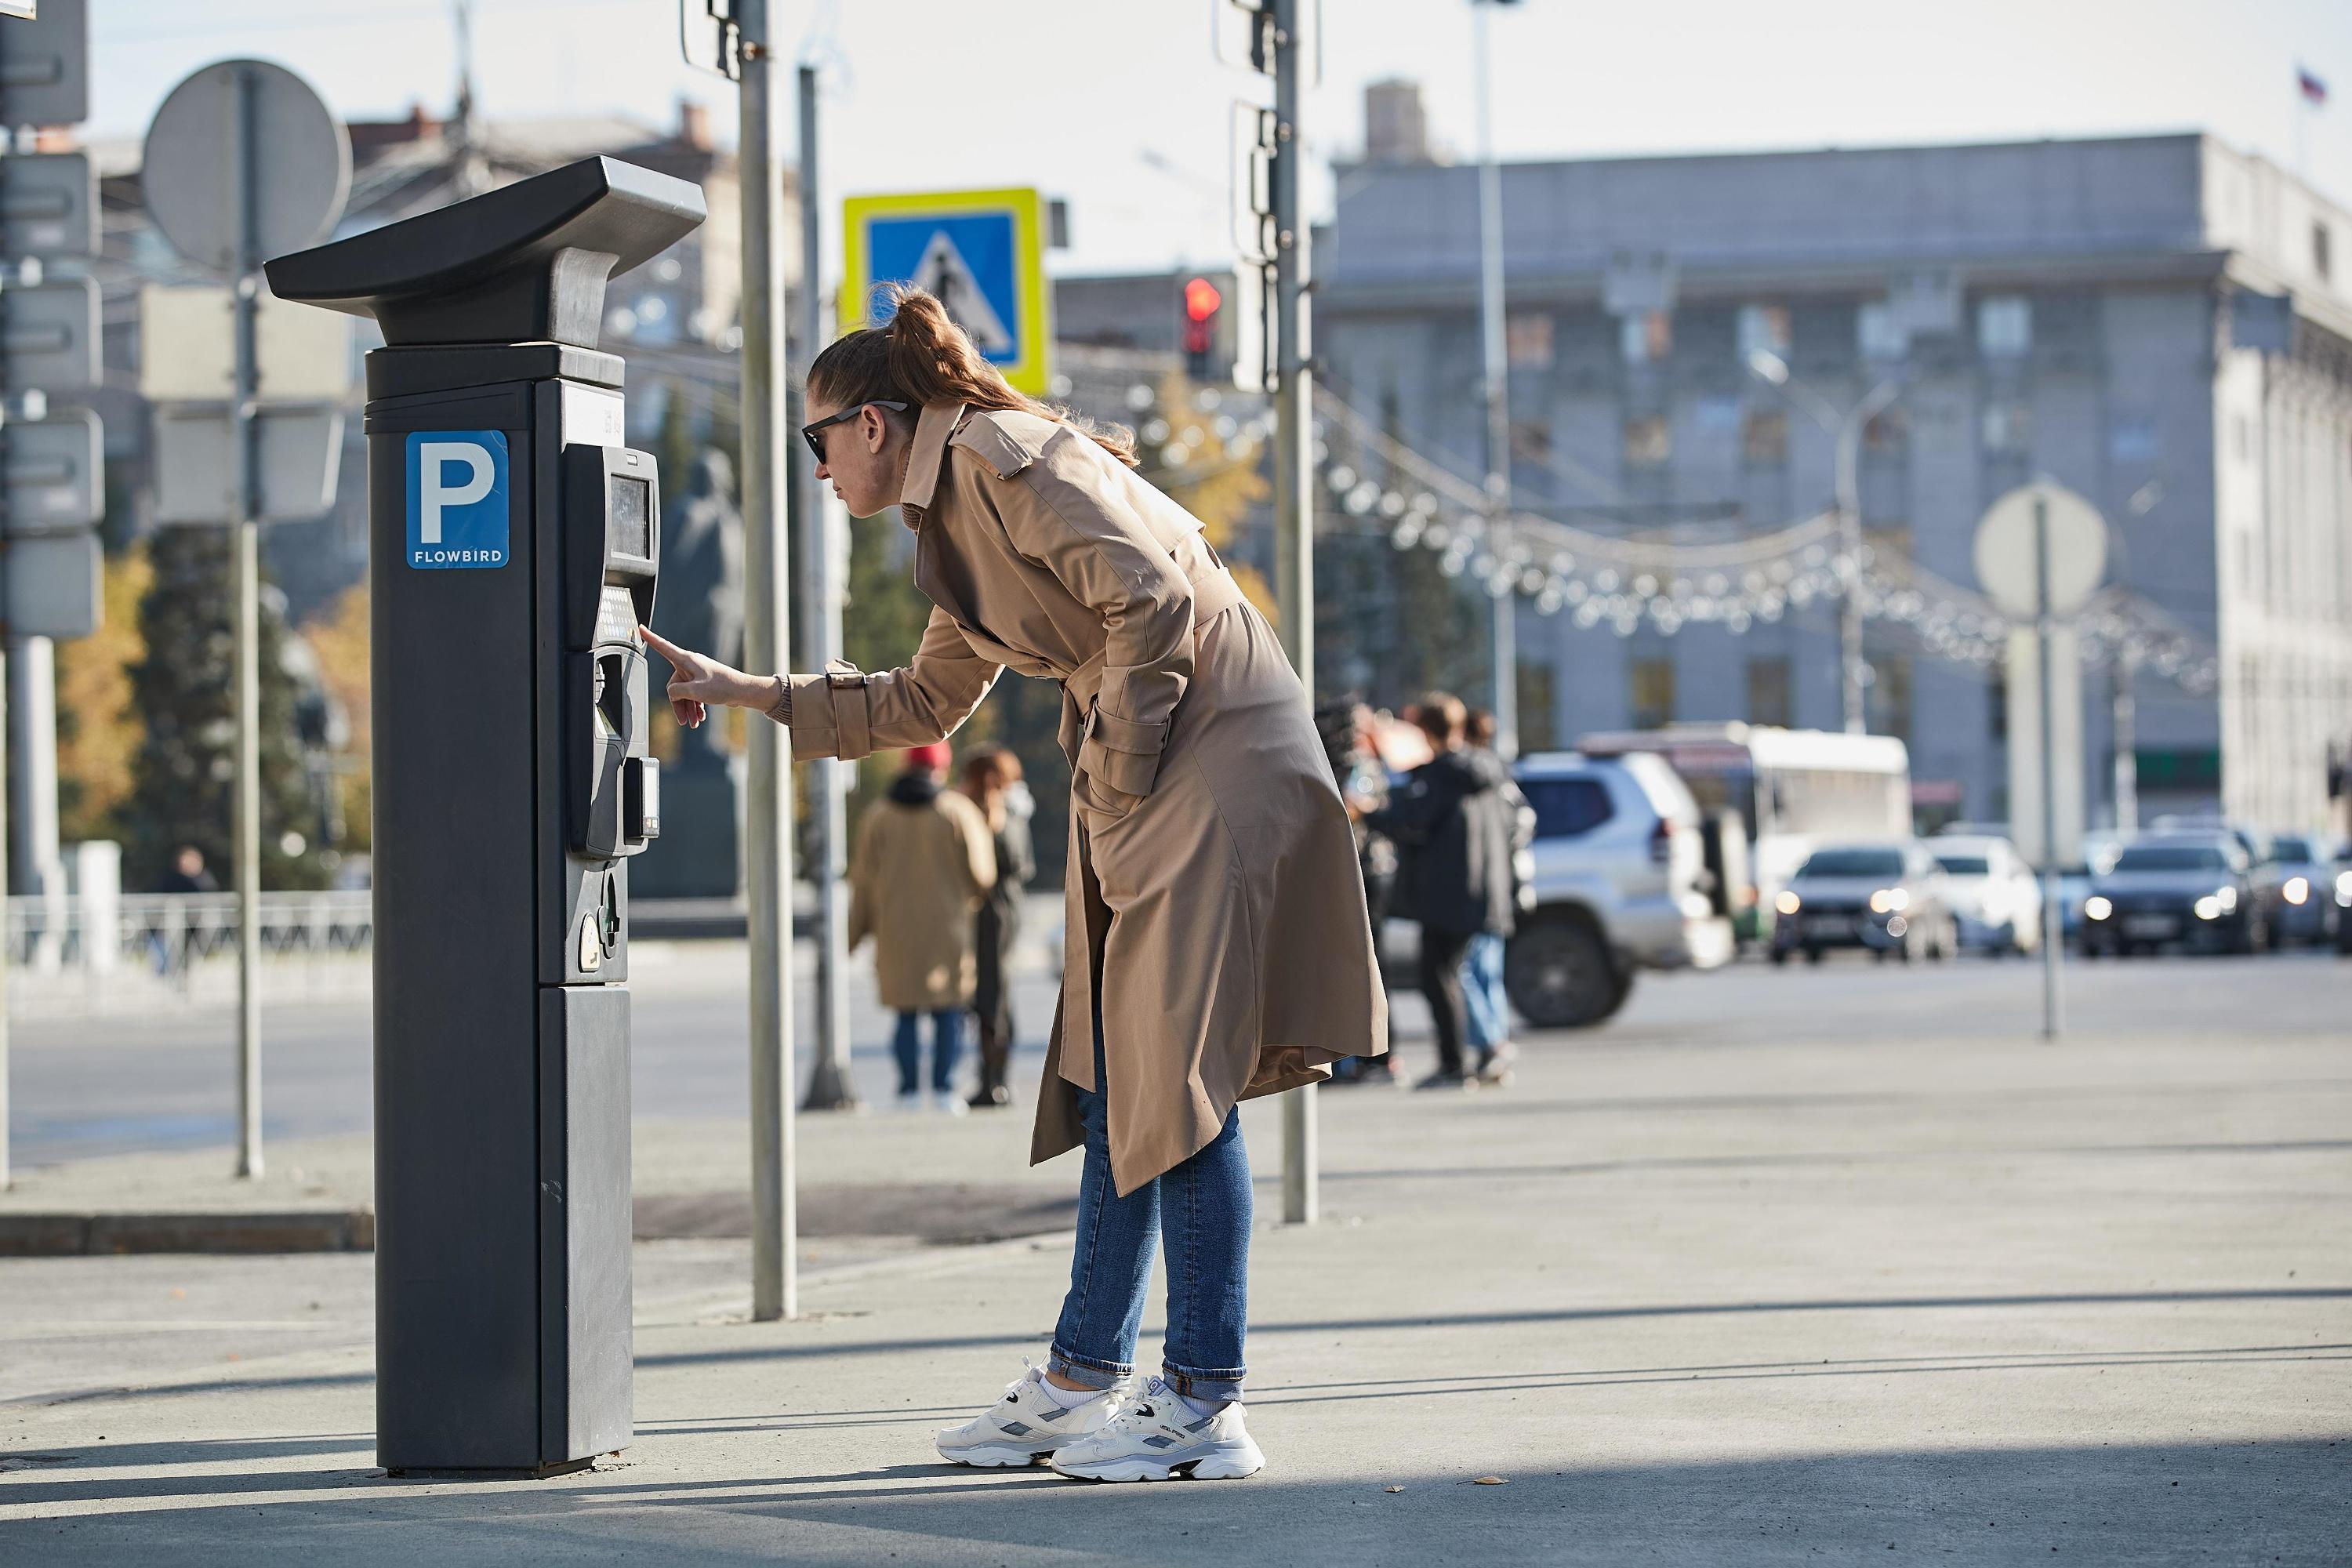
(813, 434)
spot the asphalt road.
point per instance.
(120, 1086)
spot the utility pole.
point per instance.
(1502, 600)
(1294, 487)
(768, 838)
(2127, 742)
(829, 1087)
(2044, 624)
(244, 534)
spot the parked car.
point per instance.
(2294, 883)
(2193, 888)
(1887, 897)
(2340, 878)
(1993, 895)
(1620, 882)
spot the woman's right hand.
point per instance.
(699, 682)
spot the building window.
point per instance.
(1764, 437)
(1878, 336)
(1653, 692)
(1645, 337)
(1527, 340)
(2004, 326)
(1532, 440)
(2320, 259)
(1768, 698)
(1997, 709)
(1889, 703)
(1887, 432)
(1538, 707)
(2132, 439)
(1649, 443)
(2008, 428)
(1763, 329)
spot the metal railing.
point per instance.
(155, 952)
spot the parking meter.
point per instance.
(515, 544)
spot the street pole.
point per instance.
(1293, 490)
(1503, 606)
(2052, 931)
(1849, 503)
(768, 839)
(4, 835)
(2126, 739)
(244, 533)
(829, 1087)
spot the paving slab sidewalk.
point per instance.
(1690, 1303)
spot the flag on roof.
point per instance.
(2313, 88)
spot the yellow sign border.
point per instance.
(1031, 372)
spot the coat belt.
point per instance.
(1213, 593)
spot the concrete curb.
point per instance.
(94, 1235)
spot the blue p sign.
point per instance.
(457, 499)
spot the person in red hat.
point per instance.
(924, 859)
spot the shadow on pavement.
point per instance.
(2273, 1501)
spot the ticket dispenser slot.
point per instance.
(611, 538)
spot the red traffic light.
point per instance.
(1201, 299)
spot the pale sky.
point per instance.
(1094, 101)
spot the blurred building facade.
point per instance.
(2161, 323)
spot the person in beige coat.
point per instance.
(924, 859)
(1216, 945)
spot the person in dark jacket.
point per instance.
(992, 778)
(1453, 824)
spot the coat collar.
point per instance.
(927, 456)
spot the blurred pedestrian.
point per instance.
(991, 778)
(923, 861)
(1347, 729)
(1487, 1005)
(177, 949)
(1215, 946)
(1453, 827)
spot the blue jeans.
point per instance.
(1200, 1213)
(947, 1047)
(1489, 1009)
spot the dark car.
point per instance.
(2296, 880)
(1887, 898)
(2188, 890)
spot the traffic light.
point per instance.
(1201, 303)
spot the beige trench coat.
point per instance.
(1214, 903)
(915, 882)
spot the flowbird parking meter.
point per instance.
(515, 540)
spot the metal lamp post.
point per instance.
(1846, 428)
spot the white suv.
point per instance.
(1620, 884)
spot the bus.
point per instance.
(1792, 789)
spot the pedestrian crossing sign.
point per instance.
(982, 252)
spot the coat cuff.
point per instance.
(829, 714)
(1122, 754)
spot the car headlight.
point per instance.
(1788, 903)
(1890, 900)
(2344, 888)
(2225, 899)
(2096, 908)
(2208, 907)
(2297, 890)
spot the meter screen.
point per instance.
(632, 526)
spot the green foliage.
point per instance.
(182, 687)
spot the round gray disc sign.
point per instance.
(293, 150)
(2004, 550)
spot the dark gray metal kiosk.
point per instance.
(514, 547)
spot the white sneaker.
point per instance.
(1027, 1426)
(946, 1103)
(1155, 1436)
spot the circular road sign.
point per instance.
(297, 150)
(2004, 550)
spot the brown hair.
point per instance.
(1441, 717)
(921, 357)
(988, 773)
